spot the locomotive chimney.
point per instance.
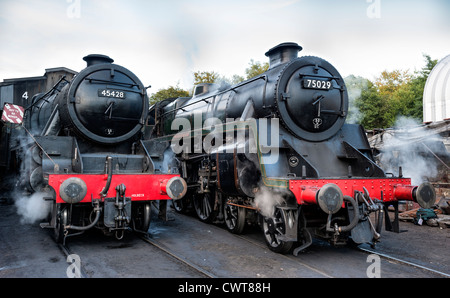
(94, 59)
(283, 53)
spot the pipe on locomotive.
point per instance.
(108, 170)
(352, 224)
(97, 210)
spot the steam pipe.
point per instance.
(352, 224)
(97, 210)
(84, 228)
(108, 166)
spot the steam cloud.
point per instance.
(32, 208)
(408, 146)
(355, 86)
(266, 200)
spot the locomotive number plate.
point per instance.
(112, 93)
(317, 84)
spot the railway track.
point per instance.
(252, 240)
(289, 257)
(75, 269)
(178, 257)
(78, 256)
(391, 258)
(359, 248)
(181, 252)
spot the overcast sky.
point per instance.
(163, 42)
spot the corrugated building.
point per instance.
(436, 95)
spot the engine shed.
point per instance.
(20, 90)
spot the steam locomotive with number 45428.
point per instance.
(275, 151)
(81, 146)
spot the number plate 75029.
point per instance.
(317, 84)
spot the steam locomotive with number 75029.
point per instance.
(275, 151)
(81, 147)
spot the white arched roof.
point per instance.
(436, 95)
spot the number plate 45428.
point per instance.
(112, 93)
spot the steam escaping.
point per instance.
(266, 199)
(33, 208)
(413, 147)
(355, 87)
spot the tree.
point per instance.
(394, 94)
(170, 92)
(235, 79)
(430, 64)
(373, 108)
(256, 68)
(417, 86)
(393, 88)
(205, 77)
(390, 81)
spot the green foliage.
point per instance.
(236, 79)
(373, 108)
(205, 77)
(256, 68)
(393, 94)
(170, 92)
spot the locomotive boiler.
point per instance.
(82, 148)
(275, 151)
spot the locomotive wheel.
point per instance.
(274, 228)
(141, 217)
(204, 206)
(235, 218)
(61, 217)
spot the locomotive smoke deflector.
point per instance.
(282, 53)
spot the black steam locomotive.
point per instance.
(81, 146)
(275, 151)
